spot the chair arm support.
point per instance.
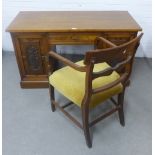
(67, 62)
(109, 70)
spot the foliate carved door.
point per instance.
(31, 54)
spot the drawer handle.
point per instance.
(74, 38)
(45, 58)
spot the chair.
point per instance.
(102, 74)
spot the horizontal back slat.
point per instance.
(109, 70)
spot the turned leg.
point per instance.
(120, 111)
(51, 91)
(85, 119)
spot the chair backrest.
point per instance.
(120, 58)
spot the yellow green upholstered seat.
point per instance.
(71, 84)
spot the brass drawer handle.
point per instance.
(74, 38)
(45, 58)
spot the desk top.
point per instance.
(73, 21)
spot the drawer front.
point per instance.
(88, 38)
(119, 38)
(72, 38)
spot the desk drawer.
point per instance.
(72, 38)
(119, 38)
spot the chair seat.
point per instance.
(71, 84)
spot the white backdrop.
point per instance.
(139, 9)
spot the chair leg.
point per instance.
(51, 91)
(85, 119)
(120, 111)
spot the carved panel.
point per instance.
(33, 57)
(31, 52)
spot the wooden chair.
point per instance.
(103, 73)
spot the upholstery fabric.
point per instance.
(71, 84)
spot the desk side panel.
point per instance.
(31, 51)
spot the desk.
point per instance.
(35, 33)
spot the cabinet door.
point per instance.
(31, 51)
(31, 55)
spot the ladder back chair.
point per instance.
(102, 74)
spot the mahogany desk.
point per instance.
(35, 33)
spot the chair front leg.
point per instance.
(121, 111)
(52, 98)
(85, 120)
